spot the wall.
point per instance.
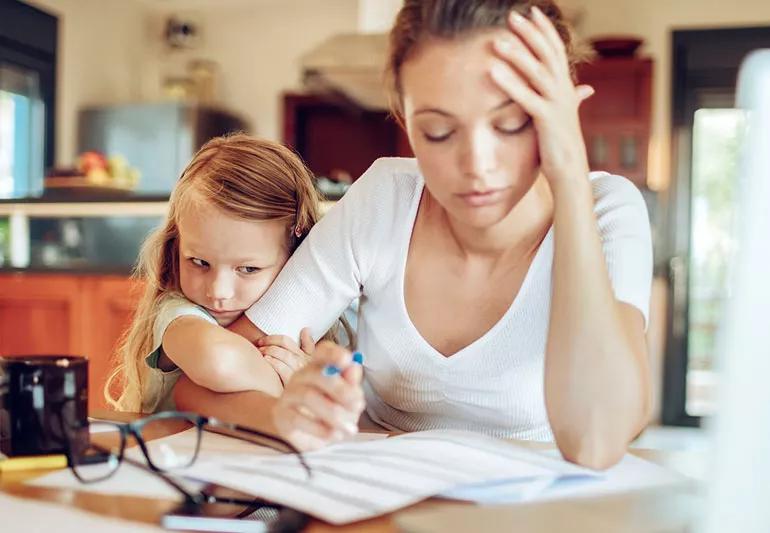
(654, 20)
(111, 51)
(258, 47)
(100, 51)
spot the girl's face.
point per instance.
(477, 149)
(225, 263)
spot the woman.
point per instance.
(503, 288)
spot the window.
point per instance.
(707, 132)
(21, 133)
(28, 40)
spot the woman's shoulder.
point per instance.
(613, 194)
(391, 174)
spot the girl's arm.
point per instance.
(218, 359)
(597, 384)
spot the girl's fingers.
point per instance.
(535, 39)
(519, 91)
(306, 341)
(278, 340)
(284, 371)
(293, 360)
(553, 37)
(512, 50)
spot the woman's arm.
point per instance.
(218, 359)
(597, 384)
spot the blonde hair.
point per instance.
(245, 177)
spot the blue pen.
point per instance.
(331, 370)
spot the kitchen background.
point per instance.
(145, 82)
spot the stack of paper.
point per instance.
(365, 478)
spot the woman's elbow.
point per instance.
(594, 450)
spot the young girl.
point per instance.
(239, 210)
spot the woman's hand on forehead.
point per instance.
(533, 69)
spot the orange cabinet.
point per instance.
(54, 314)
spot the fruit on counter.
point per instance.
(100, 170)
(91, 161)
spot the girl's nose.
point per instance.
(221, 287)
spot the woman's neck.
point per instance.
(519, 233)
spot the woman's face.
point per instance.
(477, 149)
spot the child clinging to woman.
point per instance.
(238, 211)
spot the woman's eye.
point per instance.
(248, 270)
(438, 138)
(198, 262)
(507, 130)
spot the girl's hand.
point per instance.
(284, 355)
(533, 70)
(316, 410)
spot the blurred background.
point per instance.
(102, 102)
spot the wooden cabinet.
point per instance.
(55, 314)
(616, 120)
(337, 138)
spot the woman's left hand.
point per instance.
(285, 355)
(533, 69)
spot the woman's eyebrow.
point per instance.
(505, 103)
(432, 110)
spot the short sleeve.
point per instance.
(171, 308)
(329, 269)
(624, 228)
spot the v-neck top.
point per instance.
(495, 385)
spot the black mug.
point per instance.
(43, 404)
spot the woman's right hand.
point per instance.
(316, 410)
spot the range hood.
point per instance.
(351, 64)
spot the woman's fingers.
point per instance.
(534, 38)
(314, 405)
(584, 92)
(550, 33)
(306, 342)
(520, 92)
(512, 50)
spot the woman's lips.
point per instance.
(480, 199)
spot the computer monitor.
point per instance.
(738, 490)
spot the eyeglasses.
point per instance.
(105, 451)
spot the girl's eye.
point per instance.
(515, 130)
(248, 270)
(438, 138)
(198, 262)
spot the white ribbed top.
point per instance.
(494, 385)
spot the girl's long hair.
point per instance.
(244, 177)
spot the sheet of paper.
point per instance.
(632, 473)
(354, 481)
(130, 480)
(33, 516)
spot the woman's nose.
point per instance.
(477, 155)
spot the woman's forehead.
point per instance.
(452, 74)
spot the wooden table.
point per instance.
(669, 510)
